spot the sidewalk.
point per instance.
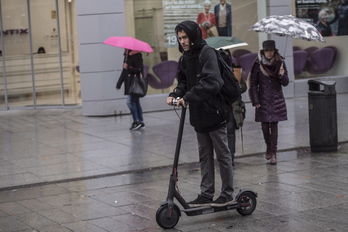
(93, 174)
(40, 146)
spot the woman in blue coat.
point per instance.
(267, 77)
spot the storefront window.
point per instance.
(39, 55)
(155, 22)
(16, 52)
(331, 20)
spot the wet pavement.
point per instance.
(60, 171)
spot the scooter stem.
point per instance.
(178, 142)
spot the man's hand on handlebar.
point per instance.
(176, 102)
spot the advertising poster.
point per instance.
(204, 12)
(329, 16)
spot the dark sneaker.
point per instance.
(200, 200)
(142, 125)
(222, 201)
(135, 126)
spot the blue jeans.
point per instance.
(134, 106)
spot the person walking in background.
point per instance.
(223, 18)
(323, 26)
(232, 125)
(132, 65)
(199, 82)
(267, 77)
(206, 20)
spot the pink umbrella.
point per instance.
(128, 43)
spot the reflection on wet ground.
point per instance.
(60, 171)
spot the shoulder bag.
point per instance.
(138, 86)
(239, 112)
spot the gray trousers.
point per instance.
(231, 135)
(207, 142)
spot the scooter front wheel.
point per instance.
(162, 217)
(248, 203)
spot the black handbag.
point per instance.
(138, 86)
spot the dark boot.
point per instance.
(273, 158)
(267, 137)
(268, 154)
(273, 142)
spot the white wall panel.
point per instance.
(275, 3)
(100, 58)
(99, 86)
(97, 28)
(99, 6)
(106, 107)
(279, 10)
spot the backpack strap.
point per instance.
(204, 48)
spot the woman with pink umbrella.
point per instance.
(132, 66)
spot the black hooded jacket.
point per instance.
(199, 82)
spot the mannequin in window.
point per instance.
(206, 20)
(223, 18)
(323, 26)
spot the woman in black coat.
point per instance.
(132, 66)
(267, 77)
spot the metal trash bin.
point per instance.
(322, 107)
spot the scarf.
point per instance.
(270, 68)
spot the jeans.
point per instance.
(207, 143)
(134, 106)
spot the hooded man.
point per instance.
(199, 83)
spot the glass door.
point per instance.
(16, 53)
(45, 49)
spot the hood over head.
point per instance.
(194, 33)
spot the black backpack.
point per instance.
(231, 90)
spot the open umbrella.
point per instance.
(225, 42)
(289, 26)
(128, 43)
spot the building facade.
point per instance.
(78, 70)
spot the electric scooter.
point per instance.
(168, 214)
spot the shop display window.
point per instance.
(38, 54)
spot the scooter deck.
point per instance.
(206, 209)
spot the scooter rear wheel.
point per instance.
(248, 202)
(162, 219)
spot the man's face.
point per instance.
(184, 40)
(222, 2)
